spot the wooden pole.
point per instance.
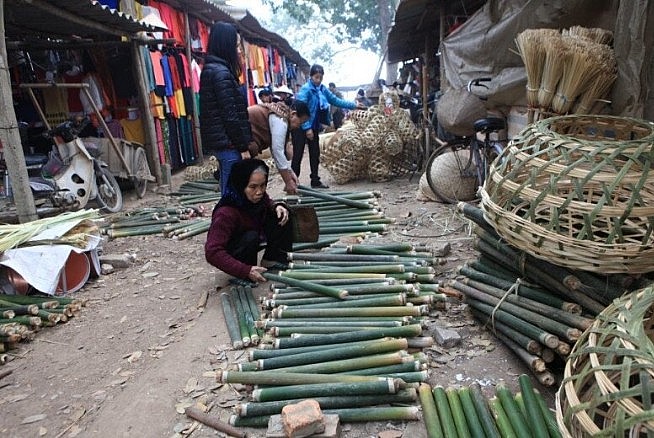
(146, 114)
(441, 37)
(189, 73)
(10, 137)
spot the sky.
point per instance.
(352, 67)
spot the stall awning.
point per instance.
(417, 20)
(66, 19)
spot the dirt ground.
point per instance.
(142, 350)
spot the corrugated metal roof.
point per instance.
(67, 19)
(417, 20)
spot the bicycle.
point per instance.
(471, 157)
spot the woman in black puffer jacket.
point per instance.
(224, 126)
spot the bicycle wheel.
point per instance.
(142, 172)
(451, 171)
(491, 151)
(109, 196)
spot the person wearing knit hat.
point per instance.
(265, 95)
(243, 221)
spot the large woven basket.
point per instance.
(577, 191)
(608, 379)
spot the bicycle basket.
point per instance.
(578, 191)
(458, 110)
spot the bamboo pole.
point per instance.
(351, 311)
(444, 412)
(529, 344)
(472, 418)
(230, 321)
(383, 386)
(346, 365)
(307, 285)
(285, 379)
(429, 412)
(261, 353)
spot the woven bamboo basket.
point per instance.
(577, 191)
(607, 386)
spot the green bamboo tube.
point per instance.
(472, 418)
(501, 419)
(528, 329)
(529, 344)
(489, 266)
(429, 412)
(254, 308)
(532, 305)
(356, 281)
(321, 243)
(371, 301)
(535, 416)
(249, 318)
(521, 405)
(388, 370)
(306, 264)
(361, 249)
(353, 290)
(326, 256)
(522, 290)
(20, 309)
(351, 311)
(409, 377)
(518, 423)
(365, 335)
(405, 396)
(552, 426)
(8, 314)
(230, 321)
(424, 299)
(428, 287)
(259, 353)
(481, 406)
(201, 228)
(313, 287)
(347, 365)
(30, 321)
(303, 190)
(458, 415)
(403, 320)
(117, 225)
(292, 331)
(444, 412)
(312, 275)
(373, 269)
(476, 215)
(332, 354)
(338, 323)
(48, 317)
(534, 362)
(240, 317)
(286, 379)
(385, 386)
(135, 231)
(537, 319)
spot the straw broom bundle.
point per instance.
(591, 100)
(579, 70)
(556, 55)
(595, 34)
(532, 51)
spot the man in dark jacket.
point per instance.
(224, 126)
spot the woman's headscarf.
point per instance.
(238, 180)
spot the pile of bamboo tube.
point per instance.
(21, 316)
(535, 308)
(344, 327)
(175, 222)
(467, 412)
(198, 192)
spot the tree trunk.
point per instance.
(10, 137)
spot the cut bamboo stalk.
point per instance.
(518, 422)
(307, 285)
(342, 282)
(444, 412)
(347, 365)
(385, 386)
(303, 341)
(472, 419)
(552, 426)
(285, 379)
(406, 396)
(458, 414)
(369, 301)
(293, 331)
(269, 323)
(535, 416)
(420, 342)
(373, 269)
(351, 312)
(429, 412)
(501, 419)
(389, 370)
(546, 378)
(325, 301)
(529, 344)
(303, 190)
(338, 353)
(325, 256)
(535, 363)
(230, 321)
(563, 349)
(247, 314)
(548, 355)
(240, 317)
(481, 407)
(313, 275)
(518, 324)
(259, 353)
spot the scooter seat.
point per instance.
(35, 160)
(489, 124)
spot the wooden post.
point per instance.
(189, 73)
(441, 29)
(146, 114)
(10, 137)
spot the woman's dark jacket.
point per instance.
(223, 109)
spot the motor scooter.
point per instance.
(76, 174)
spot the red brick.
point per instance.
(303, 419)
